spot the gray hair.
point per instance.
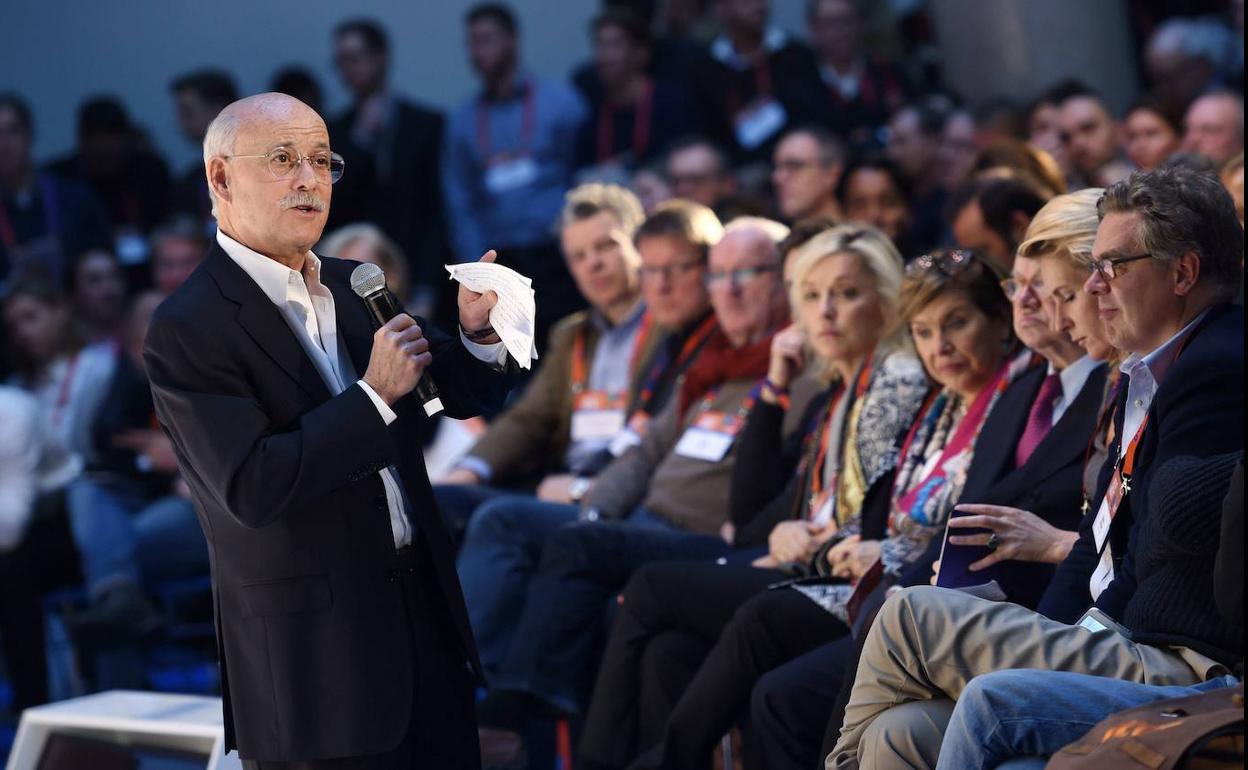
(1183, 210)
(774, 231)
(593, 198)
(219, 142)
(1199, 38)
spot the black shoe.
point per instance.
(121, 616)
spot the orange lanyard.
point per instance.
(580, 359)
(860, 388)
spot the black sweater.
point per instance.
(1175, 602)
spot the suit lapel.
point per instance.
(994, 450)
(263, 322)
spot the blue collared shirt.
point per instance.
(481, 132)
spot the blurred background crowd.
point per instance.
(901, 115)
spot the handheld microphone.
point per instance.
(369, 282)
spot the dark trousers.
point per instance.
(669, 618)
(442, 732)
(769, 629)
(790, 705)
(45, 559)
(553, 652)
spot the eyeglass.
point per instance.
(950, 263)
(738, 277)
(1013, 287)
(284, 162)
(793, 165)
(1107, 267)
(671, 271)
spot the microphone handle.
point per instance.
(384, 306)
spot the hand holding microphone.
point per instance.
(400, 351)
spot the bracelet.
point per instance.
(479, 334)
(774, 388)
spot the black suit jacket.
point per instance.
(1049, 484)
(311, 623)
(397, 185)
(1198, 410)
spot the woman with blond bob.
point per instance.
(832, 477)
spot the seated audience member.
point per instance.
(790, 495)
(1151, 134)
(97, 289)
(130, 517)
(1024, 162)
(959, 148)
(666, 498)
(393, 148)
(698, 171)
(113, 159)
(1183, 385)
(36, 551)
(47, 216)
(1044, 123)
(790, 705)
(753, 81)
(1184, 58)
(178, 246)
(589, 380)
(1213, 127)
(67, 376)
(806, 169)
(874, 192)
(861, 92)
(997, 119)
(650, 185)
(1233, 181)
(915, 145)
(991, 216)
(365, 242)
(198, 97)
(958, 321)
(633, 116)
(1034, 713)
(1091, 136)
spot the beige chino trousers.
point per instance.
(927, 643)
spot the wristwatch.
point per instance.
(579, 488)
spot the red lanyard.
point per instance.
(692, 345)
(65, 391)
(860, 389)
(580, 359)
(641, 125)
(528, 120)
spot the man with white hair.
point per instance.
(339, 619)
(1214, 127)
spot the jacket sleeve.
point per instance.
(230, 449)
(622, 485)
(467, 385)
(520, 441)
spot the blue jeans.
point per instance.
(458, 502)
(100, 518)
(500, 553)
(583, 566)
(170, 541)
(1026, 713)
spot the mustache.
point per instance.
(302, 198)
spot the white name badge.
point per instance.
(1103, 575)
(759, 122)
(597, 424)
(704, 444)
(1100, 526)
(624, 441)
(822, 510)
(506, 175)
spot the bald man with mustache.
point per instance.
(340, 625)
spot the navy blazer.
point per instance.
(312, 627)
(1198, 411)
(1049, 484)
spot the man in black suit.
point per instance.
(340, 624)
(1166, 263)
(393, 148)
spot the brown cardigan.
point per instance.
(529, 440)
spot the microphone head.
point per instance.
(367, 278)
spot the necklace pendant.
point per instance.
(1126, 484)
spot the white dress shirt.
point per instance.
(1073, 378)
(308, 308)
